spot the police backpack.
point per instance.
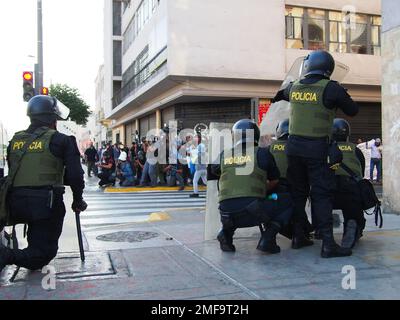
(369, 198)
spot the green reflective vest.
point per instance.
(39, 167)
(235, 184)
(349, 159)
(308, 115)
(277, 150)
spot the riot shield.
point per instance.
(279, 111)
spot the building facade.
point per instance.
(391, 105)
(203, 61)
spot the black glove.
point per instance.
(335, 156)
(279, 96)
(79, 206)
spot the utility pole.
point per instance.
(39, 66)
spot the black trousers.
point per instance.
(258, 212)
(106, 177)
(348, 199)
(44, 229)
(307, 176)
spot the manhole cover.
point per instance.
(128, 236)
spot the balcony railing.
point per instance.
(143, 76)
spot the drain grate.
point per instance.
(128, 236)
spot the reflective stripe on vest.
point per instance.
(308, 115)
(277, 150)
(233, 185)
(349, 159)
(39, 167)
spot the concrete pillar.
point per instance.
(391, 106)
(137, 124)
(158, 119)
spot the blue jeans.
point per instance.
(149, 171)
(375, 162)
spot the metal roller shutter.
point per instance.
(367, 124)
(218, 111)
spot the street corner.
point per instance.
(128, 237)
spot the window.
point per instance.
(314, 29)
(117, 18)
(142, 15)
(294, 27)
(337, 32)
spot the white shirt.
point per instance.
(375, 151)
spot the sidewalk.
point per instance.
(170, 260)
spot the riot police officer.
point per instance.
(313, 103)
(243, 198)
(347, 194)
(51, 161)
(278, 151)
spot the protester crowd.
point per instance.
(139, 165)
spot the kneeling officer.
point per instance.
(49, 161)
(243, 197)
(347, 194)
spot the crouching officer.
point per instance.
(278, 151)
(243, 196)
(313, 103)
(347, 194)
(35, 198)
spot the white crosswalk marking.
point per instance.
(110, 209)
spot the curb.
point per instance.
(148, 189)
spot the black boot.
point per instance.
(351, 234)
(330, 249)
(300, 240)
(6, 257)
(225, 239)
(267, 242)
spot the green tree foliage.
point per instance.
(80, 110)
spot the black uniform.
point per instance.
(307, 158)
(28, 207)
(347, 196)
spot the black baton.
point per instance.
(78, 228)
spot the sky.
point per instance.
(73, 50)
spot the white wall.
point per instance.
(108, 56)
(227, 38)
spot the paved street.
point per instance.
(150, 246)
(105, 209)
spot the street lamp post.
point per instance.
(39, 65)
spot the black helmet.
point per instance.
(319, 62)
(47, 109)
(340, 130)
(239, 131)
(282, 130)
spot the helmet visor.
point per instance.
(61, 110)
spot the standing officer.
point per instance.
(36, 196)
(242, 198)
(278, 151)
(313, 103)
(347, 194)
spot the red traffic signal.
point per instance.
(28, 76)
(29, 91)
(44, 91)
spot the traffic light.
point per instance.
(29, 91)
(44, 91)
